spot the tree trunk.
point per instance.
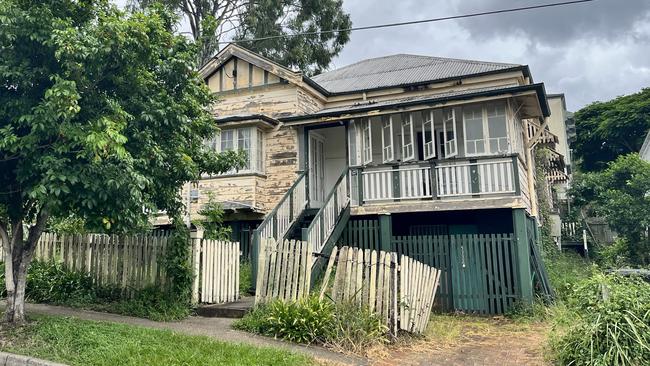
(18, 257)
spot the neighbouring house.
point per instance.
(645, 148)
(427, 156)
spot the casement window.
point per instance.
(486, 130)
(354, 142)
(449, 133)
(497, 128)
(408, 150)
(366, 132)
(428, 144)
(387, 150)
(248, 139)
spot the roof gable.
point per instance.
(401, 70)
(234, 51)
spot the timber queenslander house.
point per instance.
(427, 156)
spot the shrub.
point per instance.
(50, 282)
(344, 327)
(611, 324)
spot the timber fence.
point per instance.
(134, 262)
(284, 270)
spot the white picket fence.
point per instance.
(135, 262)
(216, 265)
(402, 294)
(284, 270)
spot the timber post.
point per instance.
(385, 232)
(196, 236)
(523, 254)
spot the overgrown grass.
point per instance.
(81, 342)
(343, 327)
(51, 283)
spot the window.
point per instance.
(387, 151)
(486, 129)
(367, 141)
(248, 139)
(408, 152)
(427, 135)
(449, 133)
(497, 129)
(474, 138)
(354, 143)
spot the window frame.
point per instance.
(428, 146)
(255, 151)
(486, 138)
(407, 119)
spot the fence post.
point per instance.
(385, 232)
(523, 254)
(196, 236)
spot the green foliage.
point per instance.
(310, 53)
(66, 225)
(212, 21)
(606, 130)
(566, 271)
(101, 113)
(611, 325)
(355, 329)
(245, 277)
(212, 220)
(51, 283)
(344, 327)
(302, 321)
(621, 195)
(80, 342)
(177, 264)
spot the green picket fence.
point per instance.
(434, 251)
(362, 234)
(479, 273)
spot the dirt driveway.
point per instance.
(469, 340)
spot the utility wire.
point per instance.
(501, 11)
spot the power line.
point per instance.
(471, 15)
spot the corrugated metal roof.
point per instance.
(399, 70)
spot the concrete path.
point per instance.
(216, 328)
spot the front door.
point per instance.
(316, 170)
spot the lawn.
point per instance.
(82, 342)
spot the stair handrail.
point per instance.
(275, 227)
(321, 226)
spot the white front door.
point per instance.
(316, 170)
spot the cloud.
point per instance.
(592, 51)
(600, 19)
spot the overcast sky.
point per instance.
(591, 51)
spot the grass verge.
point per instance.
(81, 342)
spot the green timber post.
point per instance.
(523, 254)
(385, 232)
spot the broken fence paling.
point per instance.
(402, 294)
(284, 270)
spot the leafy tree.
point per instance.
(212, 221)
(620, 194)
(212, 21)
(102, 118)
(606, 130)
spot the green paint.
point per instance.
(385, 232)
(523, 254)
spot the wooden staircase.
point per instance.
(294, 219)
